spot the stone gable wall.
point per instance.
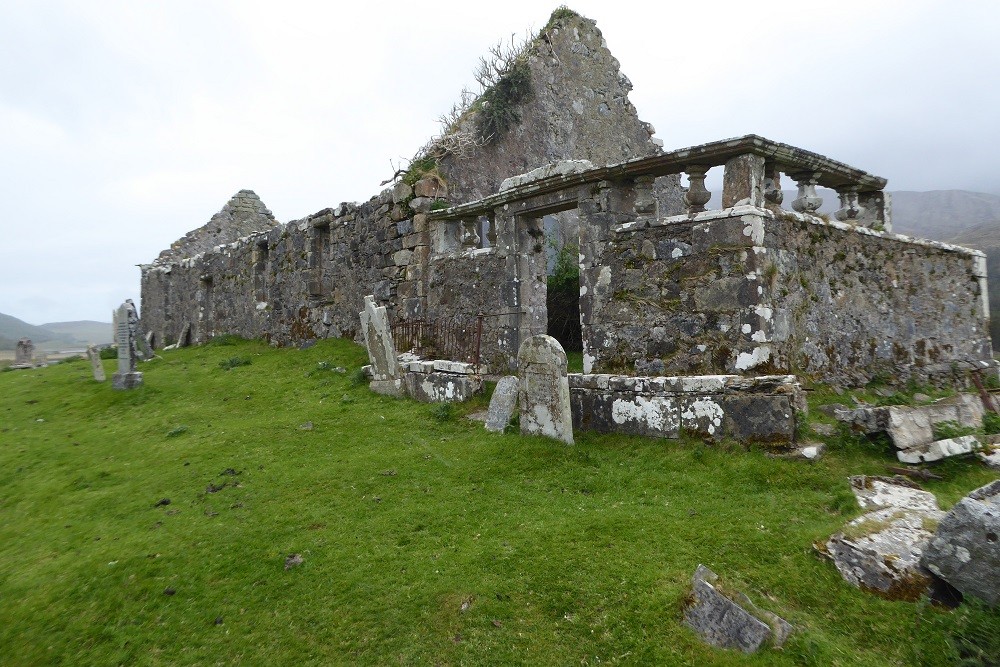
(306, 279)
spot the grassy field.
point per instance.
(154, 527)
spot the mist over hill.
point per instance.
(54, 335)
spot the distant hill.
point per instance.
(53, 336)
(85, 331)
(11, 329)
(942, 214)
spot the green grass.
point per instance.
(403, 514)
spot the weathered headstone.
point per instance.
(502, 404)
(95, 362)
(965, 550)
(24, 354)
(387, 377)
(544, 389)
(126, 377)
(722, 622)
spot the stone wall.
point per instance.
(748, 290)
(760, 409)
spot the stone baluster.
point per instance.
(772, 183)
(645, 202)
(850, 209)
(696, 196)
(807, 201)
(469, 234)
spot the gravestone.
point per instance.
(387, 377)
(24, 354)
(544, 389)
(502, 404)
(95, 362)
(126, 377)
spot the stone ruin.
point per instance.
(689, 318)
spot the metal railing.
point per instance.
(454, 339)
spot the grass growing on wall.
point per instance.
(280, 513)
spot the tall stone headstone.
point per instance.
(126, 377)
(544, 390)
(24, 354)
(95, 363)
(387, 377)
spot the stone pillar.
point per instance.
(772, 184)
(743, 181)
(807, 201)
(876, 210)
(532, 275)
(696, 196)
(544, 390)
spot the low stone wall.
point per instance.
(438, 381)
(748, 290)
(760, 409)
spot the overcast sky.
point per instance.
(123, 125)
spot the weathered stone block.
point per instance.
(965, 550)
(441, 387)
(720, 621)
(880, 551)
(758, 418)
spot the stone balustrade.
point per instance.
(752, 173)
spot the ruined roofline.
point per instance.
(787, 158)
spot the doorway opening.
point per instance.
(562, 294)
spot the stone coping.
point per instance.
(740, 211)
(789, 159)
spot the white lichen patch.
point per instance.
(656, 413)
(748, 360)
(704, 414)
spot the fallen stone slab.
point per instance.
(939, 449)
(725, 623)
(880, 551)
(911, 429)
(965, 550)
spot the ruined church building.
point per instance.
(666, 287)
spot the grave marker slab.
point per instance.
(24, 354)
(126, 377)
(544, 389)
(502, 404)
(95, 363)
(387, 377)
